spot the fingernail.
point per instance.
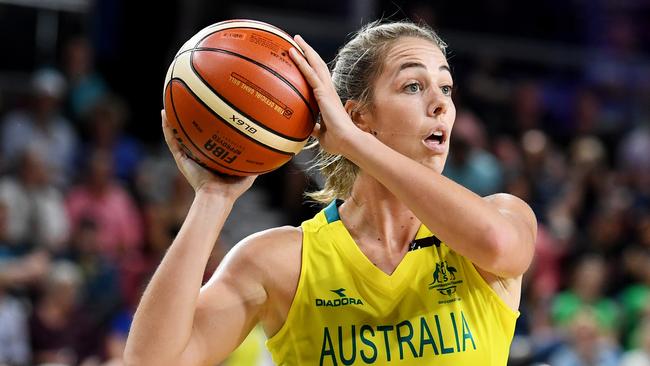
(298, 37)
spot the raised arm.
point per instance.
(496, 233)
(177, 322)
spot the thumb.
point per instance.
(170, 139)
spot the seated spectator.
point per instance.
(640, 355)
(101, 297)
(35, 207)
(635, 298)
(59, 331)
(19, 269)
(42, 126)
(14, 335)
(102, 199)
(17, 272)
(586, 294)
(86, 86)
(105, 121)
(470, 164)
(586, 344)
(164, 218)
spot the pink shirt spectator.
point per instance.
(119, 223)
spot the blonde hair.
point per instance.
(356, 67)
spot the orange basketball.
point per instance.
(236, 101)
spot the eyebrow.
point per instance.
(407, 65)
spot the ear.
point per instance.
(357, 115)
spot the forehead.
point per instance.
(411, 49)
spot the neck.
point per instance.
(374, 216)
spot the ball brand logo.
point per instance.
(342, 300)
(239, 122)
(219, 152)
(444, 279)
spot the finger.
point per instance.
(170, 139)
(310, 53)
(305, 68)
(313, 58)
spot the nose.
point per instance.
(439, 104)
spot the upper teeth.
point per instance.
(437, 133)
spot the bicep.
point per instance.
(227, 309)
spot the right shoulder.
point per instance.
(271, 251)
(269, 242)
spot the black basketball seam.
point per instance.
(311, 111)
(227, 123)
(171, 97)
(296, 139)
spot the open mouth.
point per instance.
(437, 137)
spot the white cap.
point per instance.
(48, 82)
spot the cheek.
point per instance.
(382, 120)
(399, 121)
(451, 114)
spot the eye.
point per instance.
(447, 89)
(413, 88)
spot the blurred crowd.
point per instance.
(87, 210)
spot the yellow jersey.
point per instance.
(434, 309)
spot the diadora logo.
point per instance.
(444, 279)
(342, 299)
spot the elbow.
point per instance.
(506, 255)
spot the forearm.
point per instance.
(163, 322)
(466, 222)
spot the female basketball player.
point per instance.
(407, 267)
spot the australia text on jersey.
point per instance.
(409, 339)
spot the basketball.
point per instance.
(235, 100)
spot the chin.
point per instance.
(435, 163)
